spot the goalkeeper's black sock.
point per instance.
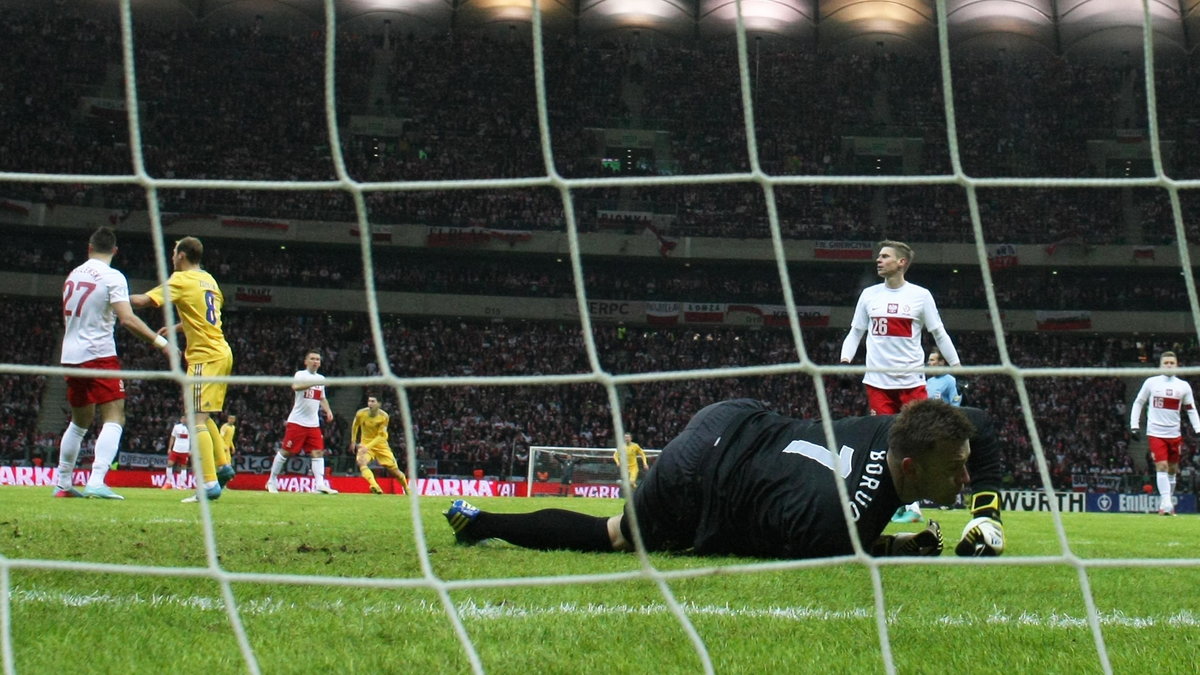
(547, 530)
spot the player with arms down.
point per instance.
(303, 431)
(892, 314)
(372, 423)
(744, 480)
(1168, 396)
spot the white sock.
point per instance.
(1164, 491)
(318, 469)
(169, 481)
(68, 452)
(106, 450)
(181, 481)
(277, 465)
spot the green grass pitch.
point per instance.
(941, 618)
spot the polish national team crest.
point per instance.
(893, 308)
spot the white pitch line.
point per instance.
(487, 612)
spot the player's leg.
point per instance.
(1173, 452)
(363, 459)
(387, 460)
(208, 398)
(112, 420)
(108, 441)
(221, 456)
(293, 440)
(316, 447)
(169, 476)
(545, 530)
(1159, 448)
(72, 438)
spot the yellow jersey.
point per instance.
(198, 301)
(632, 452)
(374, 428)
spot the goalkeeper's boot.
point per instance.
(100, 492)
(461, 515)
(225, 473)
(68, 493)
(376, 490)
(213, 493)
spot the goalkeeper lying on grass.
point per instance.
(743, 480)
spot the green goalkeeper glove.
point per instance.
(926, 542)
(984, 535)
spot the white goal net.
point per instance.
(594, 467)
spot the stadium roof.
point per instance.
(1067, 27)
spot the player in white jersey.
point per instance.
(1168, 396)
(304, 426)
(95, 297)
(178, 455)
(892, 315)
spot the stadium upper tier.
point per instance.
(1049, 26)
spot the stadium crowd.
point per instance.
(250, 262)
(264, 118)
(487, 127)
(461, 429)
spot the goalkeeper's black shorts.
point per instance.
(670, 498)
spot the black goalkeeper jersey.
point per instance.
(771, 491)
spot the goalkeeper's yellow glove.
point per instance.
(984, 535)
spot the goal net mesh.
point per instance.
(803, 368)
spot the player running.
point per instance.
(372, 423)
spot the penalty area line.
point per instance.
(489, 612)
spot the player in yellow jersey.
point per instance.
(198, 300)
(373, 425)
(633, 453)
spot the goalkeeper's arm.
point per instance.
(984, 535)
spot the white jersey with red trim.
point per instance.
(893, 319)
(1167, 396)
(308, 401)
(182, 436)
(88, 295)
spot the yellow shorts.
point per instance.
(381, 454)
(210, 396)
